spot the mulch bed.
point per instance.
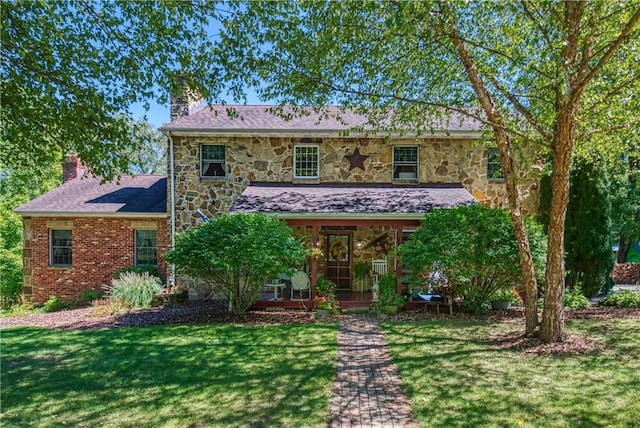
(215, 312)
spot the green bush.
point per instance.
(236, 254)
(135, 289)
(10, 278)
(54, 304)
(575, 299)
(150, 269)
(623, 299)
(474, 248)
(90, 295)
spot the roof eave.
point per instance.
(345, 216)
(89, 214)
(326, 133)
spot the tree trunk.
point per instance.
(552, 326)
(513, 194)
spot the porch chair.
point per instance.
(379, 267)
(300, 283)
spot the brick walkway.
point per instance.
(367, 391)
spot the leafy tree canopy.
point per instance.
(72, 69)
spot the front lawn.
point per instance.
(457, 377)
(169, 376)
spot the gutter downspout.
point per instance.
(172, 198)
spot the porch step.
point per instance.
(355, 310)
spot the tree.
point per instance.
(236, 254)
(474, 247)
(72, 69)
(549, 74)
(588, 232)
(625, 196)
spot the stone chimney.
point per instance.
(72, 168)
(187, 103)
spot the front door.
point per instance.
(338, 259)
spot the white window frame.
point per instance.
(209, 162)
(313, 164)
(136, 248)
(55, 246)
(399, 164)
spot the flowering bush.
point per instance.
(179, 288)
(324, 287)
(326, 302)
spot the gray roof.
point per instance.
(246, 119)
(318, 201)
(142, 194)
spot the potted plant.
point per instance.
(504, 298)
(325, 300)
(389, 300)
(361, 274)
(314, 253)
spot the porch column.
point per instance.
(314, 263)
(399, 231)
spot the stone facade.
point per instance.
(270, 159)
(100, 247)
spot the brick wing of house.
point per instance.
(355, 197)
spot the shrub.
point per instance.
(575, 299)
(135, 289)
(150, 269)
(90, 295)
(474, 248)
(506, 295)
(236, 254)
(22, 307)
(10, 278)
(623, 299)
(54, 304)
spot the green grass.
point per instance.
(455, 378)
(170, 376)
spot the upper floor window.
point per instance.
(405, 162)
(212, 160)
(306, 161)
(60, 248)
(494, 167)
(146, 247)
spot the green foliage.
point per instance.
(325, 287)
(588, 258)
(90, 295)
(236, 254)
(87, 64)
(55, 304)
(137, 290)
(575, 299)
(10, 277)
(140, 269)
(623, 299)
(474, 247)
(388, 296)
(361, 270)
(503, 295)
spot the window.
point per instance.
(405, 163)
(60, 248)
(306, 161)
(146, 247)
(212, 160)
(494, 167)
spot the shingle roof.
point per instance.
(323, 200)
(139, 194)
(216, 118)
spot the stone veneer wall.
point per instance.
(100, 247)
(270, 159)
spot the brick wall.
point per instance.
(100, 247)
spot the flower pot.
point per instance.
(390, 309)
(322, 312)
(501, 305)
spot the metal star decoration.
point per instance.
(356, 160)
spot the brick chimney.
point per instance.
(72, 168)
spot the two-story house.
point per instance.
(356, 197)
